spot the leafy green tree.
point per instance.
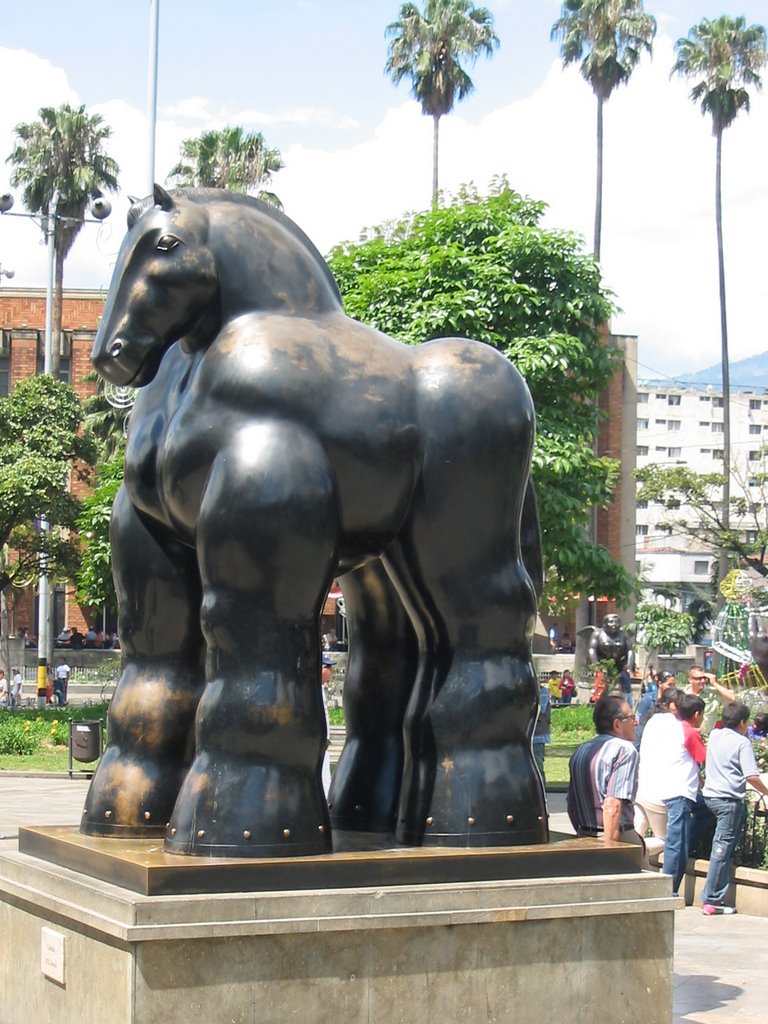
(41, 447)
(228, 158)
(428, 48)
(661, 630)
(95, 587)
(483, 267)
(724, 58)
(62, 154)
(608, 38)
(694, 509)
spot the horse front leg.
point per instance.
(267, 548)
(151, 716)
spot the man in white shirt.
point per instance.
(62, 681)
(17, 683)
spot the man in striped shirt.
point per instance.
(604, 775)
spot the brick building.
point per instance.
(22, 350)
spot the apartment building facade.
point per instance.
(683, 426)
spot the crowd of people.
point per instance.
(679, 765)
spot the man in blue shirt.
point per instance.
(730, 767)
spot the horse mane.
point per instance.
(201, 195)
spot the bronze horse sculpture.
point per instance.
(275, 445)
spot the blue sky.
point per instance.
(308, 73)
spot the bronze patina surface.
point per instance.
(275, 445)
(142, 865)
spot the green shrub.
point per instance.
(18, 736)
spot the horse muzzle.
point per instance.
(124, 363)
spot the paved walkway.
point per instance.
(721, 963)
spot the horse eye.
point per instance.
(167, 242)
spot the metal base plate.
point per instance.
(142, 866)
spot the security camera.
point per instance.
(101, 208)
(6, 202)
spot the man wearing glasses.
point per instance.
(703, 684)
(604, 775)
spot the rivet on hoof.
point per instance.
(287, 833)
(541, 818)
(358, 807)
(147, 815)
(200, 833)
(429, 820)
(173, 831)
(471, 821)
(510, 819)
(107, 814)
(321, 828)
(246, 834)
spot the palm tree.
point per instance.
(228, 158)
(608, 37)
(62, 154)
(428, 49)
(724, 57)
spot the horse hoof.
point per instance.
(260, 812)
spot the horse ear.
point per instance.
(162, 198)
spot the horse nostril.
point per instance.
(115, 349)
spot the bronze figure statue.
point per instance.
(611, 643)
(276, 444)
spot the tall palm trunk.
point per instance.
(435, 152)
(599, 191)
(723, 355)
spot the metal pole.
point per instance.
(154, 11)
(43, 591)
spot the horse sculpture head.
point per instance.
(191, 261)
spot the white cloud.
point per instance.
(659, 252)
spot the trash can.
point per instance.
(84, 742)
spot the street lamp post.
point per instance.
(100, 209)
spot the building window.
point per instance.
(661, 396)
(754, 456)
(755, 403)
(704, 423)
(642, 424)
(674, 453)
(717, 428)
(661, 448)
(755, 428)
(701, 567)
(754, 482)
(642, 503)
(660, 423)
(750, 536)
(641, 530)
(642, 449)
(673, 424)
(718, 453)
(674, 400)
(717, 403)
(703, 398)
(642, 398)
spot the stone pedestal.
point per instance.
(472, 951)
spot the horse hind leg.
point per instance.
(151, 715)
(470, 777)
(383, 655)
